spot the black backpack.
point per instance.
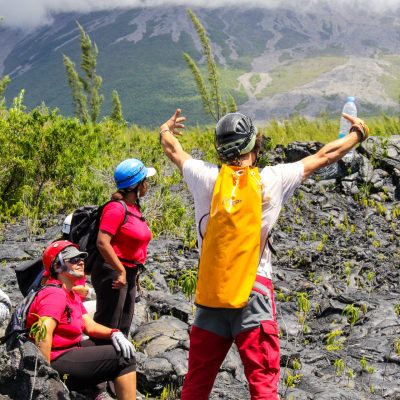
(84, 229)
(16, 333)
(29, 274)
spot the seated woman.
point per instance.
(107, 355)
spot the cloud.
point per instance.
(29, 14)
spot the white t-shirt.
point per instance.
(279, 182)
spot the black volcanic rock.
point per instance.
(337, 241)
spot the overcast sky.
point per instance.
(33, 13)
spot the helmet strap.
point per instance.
(73, 273)
(59, 265)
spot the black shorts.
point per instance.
(92, 363)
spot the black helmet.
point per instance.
(235, 134)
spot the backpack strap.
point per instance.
(28, 301)
(205, 215)
(269, 243)
(199, 225)
(127, 212)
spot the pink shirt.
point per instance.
(66, 309)
(129, 240)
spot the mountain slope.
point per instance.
(275, 62)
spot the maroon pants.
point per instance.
(255, 332)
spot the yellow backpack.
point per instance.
(231, 245)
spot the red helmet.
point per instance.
(52, 251)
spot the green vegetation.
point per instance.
(390, 81)
(85, 89)
(116, 114)
(38, 333)
(187, 282)
(322, 129)
(144, 61)
(4, 82)
(255, 79)
(292, 379)
(339, 367)
(210, 94)
(334, 341)
(296, 73)
(290, 38)
(351, 312)
(38, 330)
(304, 306)
(52, 164)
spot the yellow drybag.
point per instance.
(231, 245)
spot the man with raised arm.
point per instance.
(252, 327)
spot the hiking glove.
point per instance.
(122, 344)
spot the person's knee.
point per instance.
(126, 365)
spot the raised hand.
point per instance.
(174, 123)
(358, 125)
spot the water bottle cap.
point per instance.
(351, 99)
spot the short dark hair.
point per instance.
(53, 273)
(236, 161)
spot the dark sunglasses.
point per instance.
(75, 260)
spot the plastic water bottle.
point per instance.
(351, 109)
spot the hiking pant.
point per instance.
(114, 307)
(253, 329)
(92, 363)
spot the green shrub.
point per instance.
(53, 164)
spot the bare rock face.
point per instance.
(337, 243)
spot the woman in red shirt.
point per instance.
(122, 241)
(107, 355)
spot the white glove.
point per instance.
(5, 299)
(5, 306)
(4, 313)
(122, 344)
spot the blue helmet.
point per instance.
(130, 172)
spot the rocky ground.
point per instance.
(336, 283)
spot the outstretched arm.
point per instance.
(170, 144)
(335, 150)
